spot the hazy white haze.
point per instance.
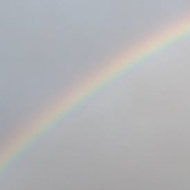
(132, 135)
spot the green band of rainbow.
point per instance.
(62, 107)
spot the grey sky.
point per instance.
(134, 134)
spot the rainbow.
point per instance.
(65, 105)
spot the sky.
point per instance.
(134, 134)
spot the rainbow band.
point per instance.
(64, 106)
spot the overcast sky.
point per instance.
(134, 134)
